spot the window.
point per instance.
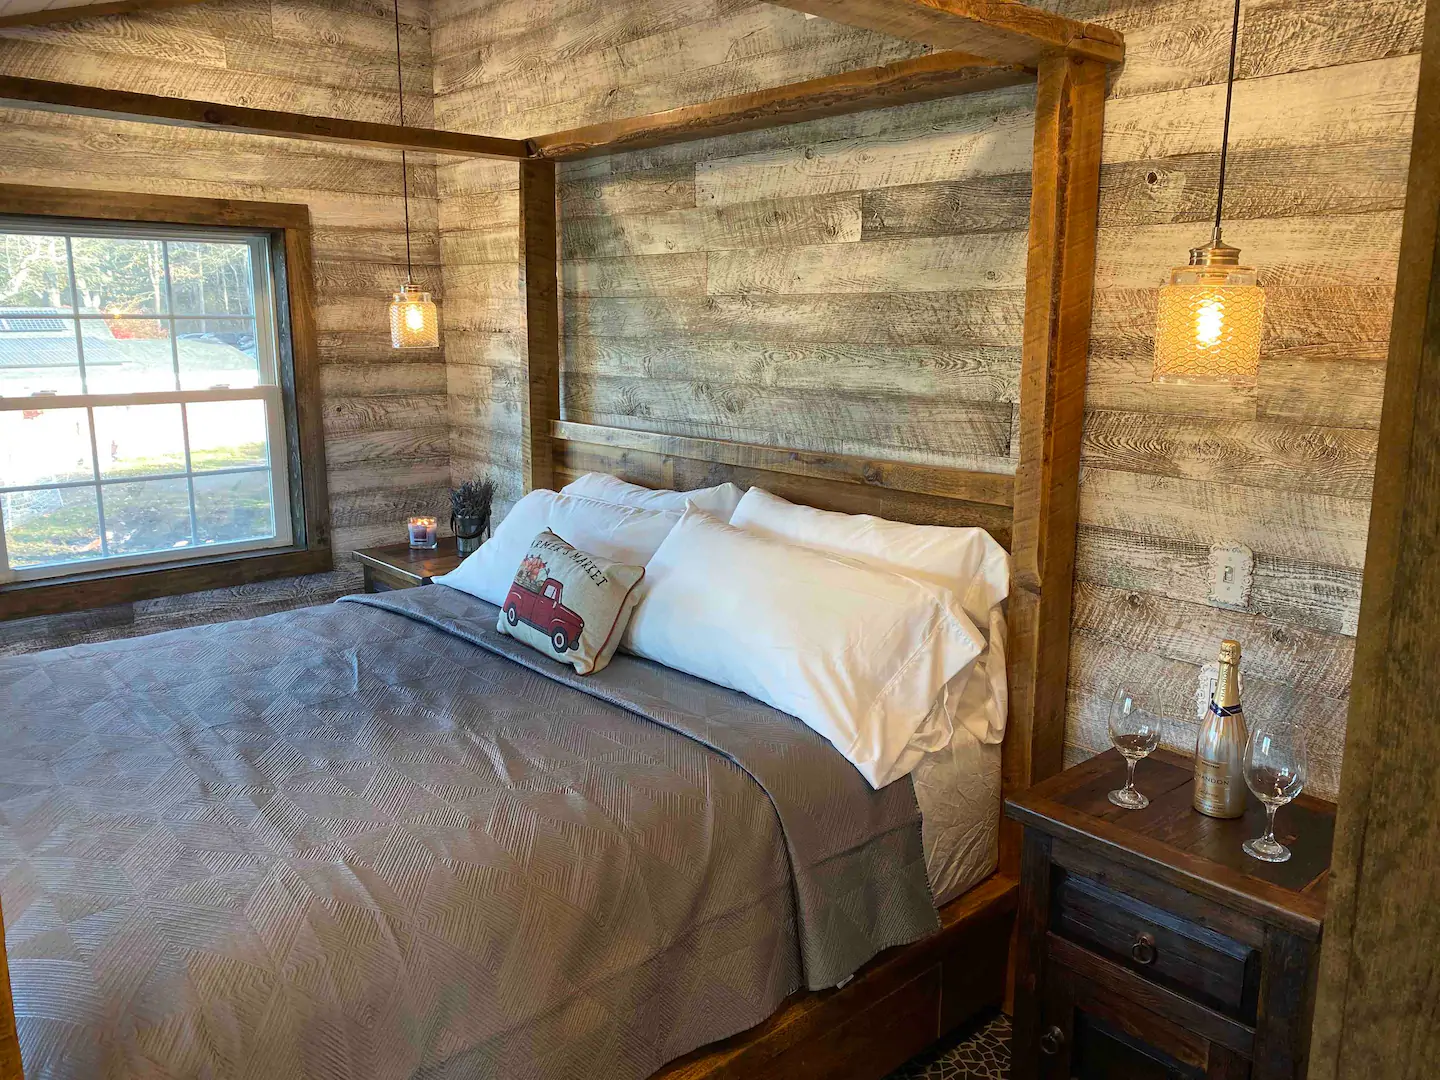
(148, 414)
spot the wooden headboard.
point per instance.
(1032, 513)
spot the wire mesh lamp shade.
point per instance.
(1212, 312)
(1209, 324)
(414, 319)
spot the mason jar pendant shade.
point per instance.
(1212, 310)
(414, 319)
(1210, 320)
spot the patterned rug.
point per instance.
(980, 1051)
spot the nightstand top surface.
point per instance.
(1173, 841)
(417, 563)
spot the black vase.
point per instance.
(470, 532)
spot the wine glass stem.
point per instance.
(1270, 823)
(1129, 774)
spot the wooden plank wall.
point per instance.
(855, 284)
(385, 412)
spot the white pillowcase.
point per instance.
(720, 500)
(856, 653)
(622, 534)
(968, 561)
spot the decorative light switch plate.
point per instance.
(1232, 569)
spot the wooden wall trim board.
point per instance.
(87, 592)
(995, 489)
(27, 199)
(940, 74)
(1375, 1014)
(296, 322)
(842, 490)
(1001, 29)
(104, 104)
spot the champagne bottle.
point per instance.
(1219, 752)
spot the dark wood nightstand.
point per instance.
(399, 566)
(1149, 945)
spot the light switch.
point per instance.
(1232, 569)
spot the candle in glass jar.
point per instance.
(423, 532)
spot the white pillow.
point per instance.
(622, 534)
(720, 500)
(967, 561)
(856, 653)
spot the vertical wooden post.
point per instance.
(1378, 996)
(540, 395)
(9, 1040)
(1028, 953)
(1059, 280)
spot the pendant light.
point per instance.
(1208, 330)
(414, 321)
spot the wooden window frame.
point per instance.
(291, 264)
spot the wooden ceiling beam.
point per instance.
(182, 112)
(1003, 30)
(86, 11)
(935, 75)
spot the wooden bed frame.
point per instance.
(908, 996)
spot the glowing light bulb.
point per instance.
(414, 322)
(1209, 321)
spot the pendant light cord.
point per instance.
(1225, 138)
(404, 172)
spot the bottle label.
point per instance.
(1213, 782)
(1225, 710)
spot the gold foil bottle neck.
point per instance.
(1229, 652)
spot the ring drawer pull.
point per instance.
(1143, 951)
(1052, 1041)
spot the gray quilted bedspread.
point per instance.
(377, 839)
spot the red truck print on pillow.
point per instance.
(541, 608)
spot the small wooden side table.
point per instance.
(1149, 945)
(399, 566)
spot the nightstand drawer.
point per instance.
(1183, 956)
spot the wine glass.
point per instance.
(1275, 765)
(1135, 731)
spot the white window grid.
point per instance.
(268, 390)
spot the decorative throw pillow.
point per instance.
(568, 604)
(613, 533)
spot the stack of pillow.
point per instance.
(879, 635)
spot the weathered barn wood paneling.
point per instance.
(855, 284)
(385, 412)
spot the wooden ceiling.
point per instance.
(1007, 42)
(1003, 31)
(34, 12)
